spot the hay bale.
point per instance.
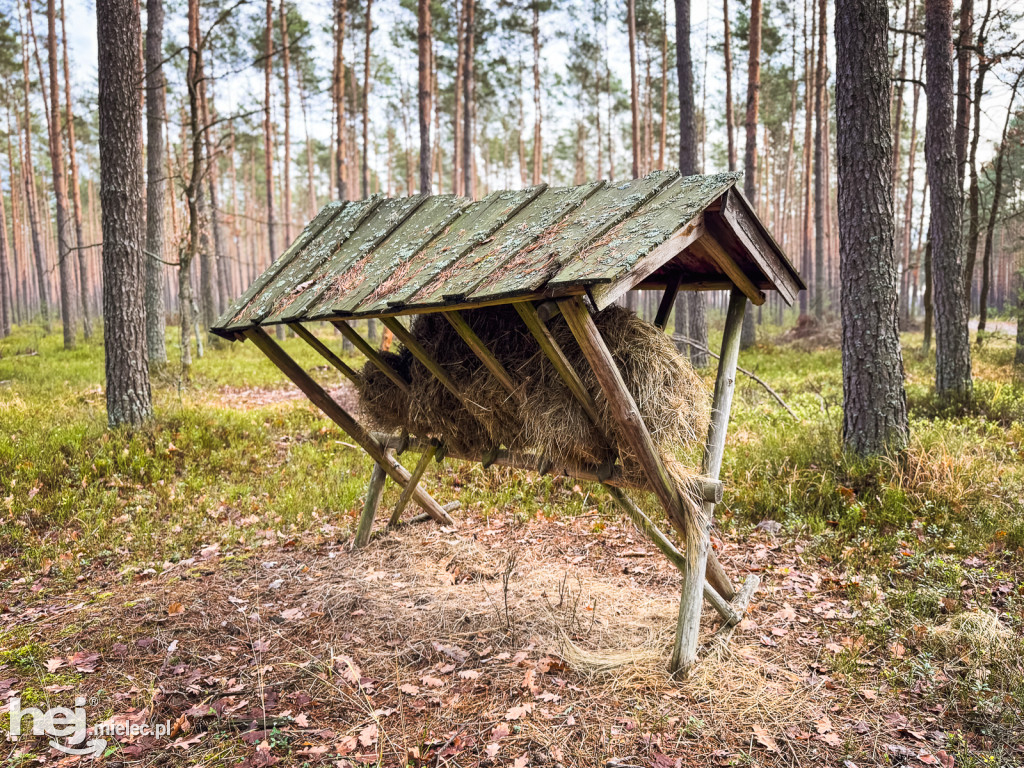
(542, 415)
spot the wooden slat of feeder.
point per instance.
(417, 475)
(554, 353)
(377, 225)
(649, 226)
(230, 318)
(630, 422)
(481, 350)
(736, 212)
(711, 490)
(478, 223)
(426, 223)
(370, 506)
(668, 300)
(713, 250)
(516, 235)
(320, 398)
(371, 354)
(698, 542)
(606, 294)
(417, 350)
(529, 270)
(306, 335)
(647, 527)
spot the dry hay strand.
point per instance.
(972, 636)
(542, 414)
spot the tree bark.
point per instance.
(963, 83)
(952, 343)
(156, 188)
(286, 185)
(366, 103)
(874, 401)
(748, 335)
(997, 193)
(820, 148)
(538, 159)
(76, 192)
(730, 119)
(340, 153)
(28, 177)
(634, 87)
(426, 52)
(468, 102)
(6, 294)
(118, 36)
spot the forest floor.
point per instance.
(198, 574)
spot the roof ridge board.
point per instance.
(511, 202)
(526, 277)
(644, 229)
(399, 248)
(292, 280)
(573, 198)
(361, 242)
(316, 225)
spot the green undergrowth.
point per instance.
(230, 462)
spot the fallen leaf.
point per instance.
(764, 738)
(823, 726)
(432, 682)
(185, 742)
(52, 665)
(368, 736)
(469, 674)
(491, 750)
(409, 688)
(500, 731)
(515, 713)
(521, 762)
(175, 608)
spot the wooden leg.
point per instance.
(662, 542)
(668, 299)
(373, 494)
(322, 400)
(417, 474)
(698, 537)
(631, 425)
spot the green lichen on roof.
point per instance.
(379, 256)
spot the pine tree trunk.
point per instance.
(218, 266)
(468, 99)
(426, 52)
(874, 401)
(286, 83)
(806, 246)
(366, 104)
(963, 85)
(129, 400)
(460, 63)
(82, 255)
(820, 148)
(341, 144)
(28, 177)
(730, 119)
(748, 335)
(664, 94)
(6, 294)
(952, 344)
(997, 193)
(538, 159)
(974, 189)
(634, 95)
(156, 193)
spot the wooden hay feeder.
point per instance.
(573, 251)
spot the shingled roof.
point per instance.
(391, 256)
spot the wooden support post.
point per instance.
(373, 494)
(320, 398)
(647, 527)
(374, 356)
(417, 350)
(631, 424)
(554, 353)
(481, 350)
(417, 474)
(668, 299)
(306, 335)
(709, 246)
(698, 540)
